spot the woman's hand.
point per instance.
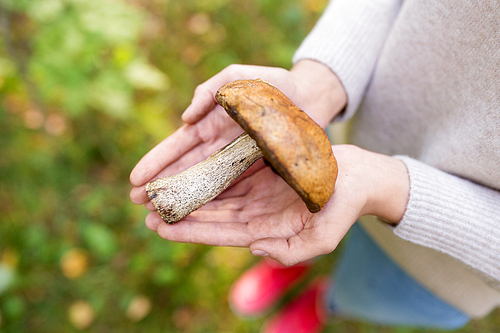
(263, 213)
(311, 85)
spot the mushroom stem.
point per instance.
(176, 196)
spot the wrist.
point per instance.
(318, 85)
(389, 190)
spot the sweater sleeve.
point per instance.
(455, 216)
(348, 38)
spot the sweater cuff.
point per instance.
(452, 215)
(348, 38)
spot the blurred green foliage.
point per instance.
(87, 88)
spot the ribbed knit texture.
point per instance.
(357, 29)
(468, 215)
(423, 79)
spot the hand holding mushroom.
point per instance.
(277, 129)
(262, 211)
(208, 127)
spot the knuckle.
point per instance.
(289, 262)
(233, 70)
(325, 248)
(199, 89)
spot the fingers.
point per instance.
(320, 235)
(281, 227)
(165, 153)
(149, 206)
(306, 245)
(231, 210)
(153, 221)
(138, 195)
(181, 150)
(281, 245)
(202, 103)
(204, 97)
(209, 233)
(177, 152)
(186, 147)
(173, 151)
(241, 234)
(283, 236)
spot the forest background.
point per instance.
(87, 87)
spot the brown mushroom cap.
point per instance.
(296, 146)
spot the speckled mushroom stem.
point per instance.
(177, 196)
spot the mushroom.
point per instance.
(295, 146)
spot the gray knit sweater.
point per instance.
(423, 85)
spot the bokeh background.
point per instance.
(87, 87)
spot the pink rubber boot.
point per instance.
(261, 287)
(304, 314)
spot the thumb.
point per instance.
(202, 103)
(307, 244)
(204, 95)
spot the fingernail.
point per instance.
(260, 253)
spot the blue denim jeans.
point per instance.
(367, 285)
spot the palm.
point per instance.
(260, 208)
(187, 146)
(263, 213)
(208, 135)
(210, 128)
(262, 200)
